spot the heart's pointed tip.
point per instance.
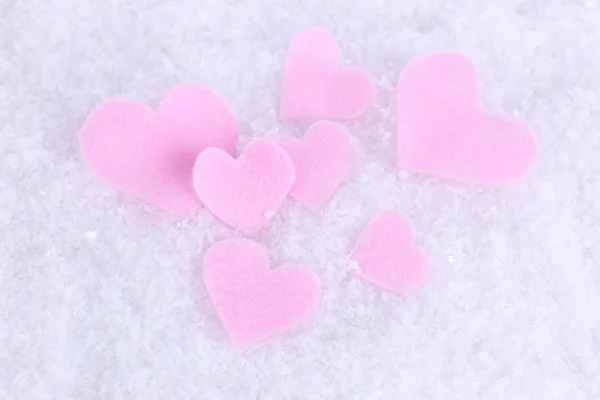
(529, 154)
(416, 281)
(519, 160)
(368, 90)
(241, 343)
(355, 271)
(186, 211)
(425, 271)
(352, 94)
(317, 284)
(283, 115)
(312, 304)
(313, 206)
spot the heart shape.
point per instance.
(323, 159)
(244, 193)
(254, 302)
(314, 86)
(386, 254)
(443, 129)
(151, 154)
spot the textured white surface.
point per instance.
(100, 297)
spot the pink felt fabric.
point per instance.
(244, 193)
(443, 130)
(315, 87)
(252, 301)
(151, 154)
(386, 254)
(323, 159)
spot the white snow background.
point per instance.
(100, 295)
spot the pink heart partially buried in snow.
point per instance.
(244, 193)
(386, 254)
(252, 301)
(443, 129)
(151, 154)
(315, 87)
(323, 159)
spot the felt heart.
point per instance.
(314, 86)
(323, 159)
(151, 154)
(254, 302)
(443, 130)
(244, 193)
(386, 254)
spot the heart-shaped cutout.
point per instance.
(151, 154)
(443, 129)
(252, 301)
(386, 254)
(314, 86)
(244, 193)
(323, 159)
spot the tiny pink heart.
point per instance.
(443, 129)
(252, 301)
(151, 154)
(323, 159)
(244, 193)
(314, 86)
(386, 254)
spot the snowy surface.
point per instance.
(100, 296)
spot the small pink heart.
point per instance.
(254, 302)
(151, 154)
(386, 254)
(244, 193)
(323, 159)
(443, 130)
(314, 86)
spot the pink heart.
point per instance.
(314, 86)
(244, 193)
(323, 159)
(150, 154)
(252, 301)
(386, 254)
(443, 130)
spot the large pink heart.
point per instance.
(386, 254)
(151, 154)
(443, 129)
(252, 301)
(323, 159)
(244, 193)
(314, 86)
